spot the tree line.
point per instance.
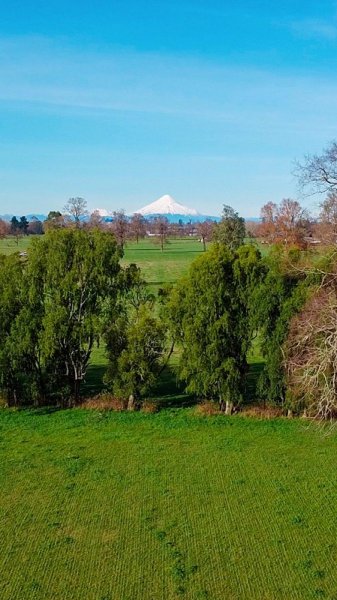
(124, 228)
(72, 293)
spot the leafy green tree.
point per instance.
(140, 357)
(135, 340)
(54, 220)
(53, 214)
(80, 271)
(22, 371)
(277, 298)
(11, 302)
(52, 311)
(15, 228)
(231, 229)
(15, 225)
(210, 317)
(23, 225)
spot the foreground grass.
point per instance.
(131, 506)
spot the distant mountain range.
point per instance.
(165, 206)
(29, 217)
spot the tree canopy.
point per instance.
(210, 316)
(231, 229)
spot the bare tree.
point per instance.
(120, 227)
(318, 173)
(287, 223)
(267, 228)
(205, 231)
(95, 220)
(137, 226)
(327, 222)
(77, 208)
(311, 354)
(4, 229)
(161, 228)
(35, 227)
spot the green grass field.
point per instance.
(160, 268)
(10, 244)
(121, 506)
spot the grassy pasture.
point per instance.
(10, 244)
(166, 506)
(160, 268)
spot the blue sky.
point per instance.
(123, 102)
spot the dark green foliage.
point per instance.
(275, 301)
(139, 358)
(23, 226)
(231, 230)
(15, 225)
(11, 302)
(135, 341)
(210, 317)
(52, 309)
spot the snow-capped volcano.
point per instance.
(166, 205)
(102, 212)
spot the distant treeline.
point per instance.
(124, 228)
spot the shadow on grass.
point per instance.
(94, 380)
(254, 372)
(169, 392)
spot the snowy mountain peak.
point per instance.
(166, 205)
(102, 212)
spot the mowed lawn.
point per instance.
(162, 267)
(127, 506)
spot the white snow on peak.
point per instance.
(166, 205)
(102, 212)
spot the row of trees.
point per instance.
(69, 295)
(73, 293)
(20, 226)
(290, 224)
(124, 228)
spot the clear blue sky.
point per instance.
(121, 102)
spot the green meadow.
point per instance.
(160, 268)
(10, 244)
(166, 506)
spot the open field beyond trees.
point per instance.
(121, 506)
